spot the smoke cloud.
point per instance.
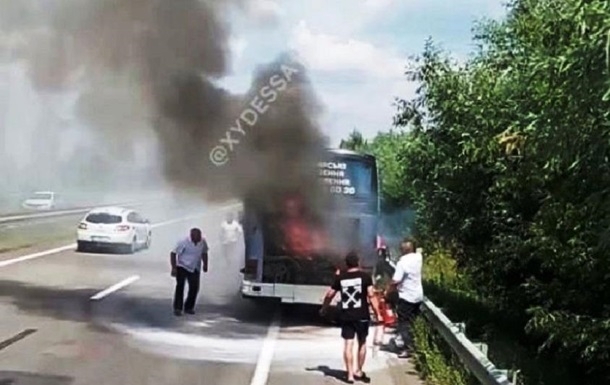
(150, 67)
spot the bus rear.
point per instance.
(293, 251)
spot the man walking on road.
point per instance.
(186, 260)
(407, 280)
(356, 288)
(231, 233)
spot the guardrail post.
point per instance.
(514, 376)
(474, 357)
(483, 347)
(461, 327)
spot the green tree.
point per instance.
(507, 163)
(354, 142)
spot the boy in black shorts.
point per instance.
(356, 288)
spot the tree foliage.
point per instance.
(507, 164)
(387, 147)
(354, 142)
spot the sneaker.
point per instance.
(177, 313)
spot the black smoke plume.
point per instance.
(162, 58)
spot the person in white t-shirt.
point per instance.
(230, 236)
(407, 281)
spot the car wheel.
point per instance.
(134, 246)
(130, 248)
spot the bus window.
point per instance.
(349, 178)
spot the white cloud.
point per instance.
(329, 53)
(264, 11)
(377, 5)
(237, 45)
(367, 107)
(357, 51)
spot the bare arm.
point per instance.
(397, 278)
(172, 259)
(330, 294)
(374, 301)
(204, 256)
(204, 259)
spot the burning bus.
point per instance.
(293, 251)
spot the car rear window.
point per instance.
(44, 196)
(103, 218)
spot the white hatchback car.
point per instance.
(40, 200)
(114, 227)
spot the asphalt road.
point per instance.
(101, 319)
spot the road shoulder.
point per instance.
(312, 355)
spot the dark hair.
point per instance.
(195, 230)
(351, 260)
(411, 241)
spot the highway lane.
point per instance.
(38, 234)
(130, 336)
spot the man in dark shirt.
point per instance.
(356, 288)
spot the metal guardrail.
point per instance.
(60, 213)
(230, 205)
(472, 355)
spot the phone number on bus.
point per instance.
(344, 190)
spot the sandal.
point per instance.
(362, 377)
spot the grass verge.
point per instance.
(433, 359)
(509, 346)
(22, 236)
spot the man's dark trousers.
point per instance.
(183, 276)
(406, 313)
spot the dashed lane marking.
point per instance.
(115, 287)
(265, 358)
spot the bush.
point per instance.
(434, 361)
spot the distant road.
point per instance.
(60, 213)
(131, 201)
(10, 204)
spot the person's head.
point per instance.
(407, 246)
(195, 235)
(382, 252)
(351, 260)
(230, 217)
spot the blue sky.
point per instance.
(355, 50)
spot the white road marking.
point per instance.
(73, 245)
(113, 288)
(263, 365)
(226, 340)
(37, 255)
(202, 344)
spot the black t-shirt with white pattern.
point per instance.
(353, 286)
